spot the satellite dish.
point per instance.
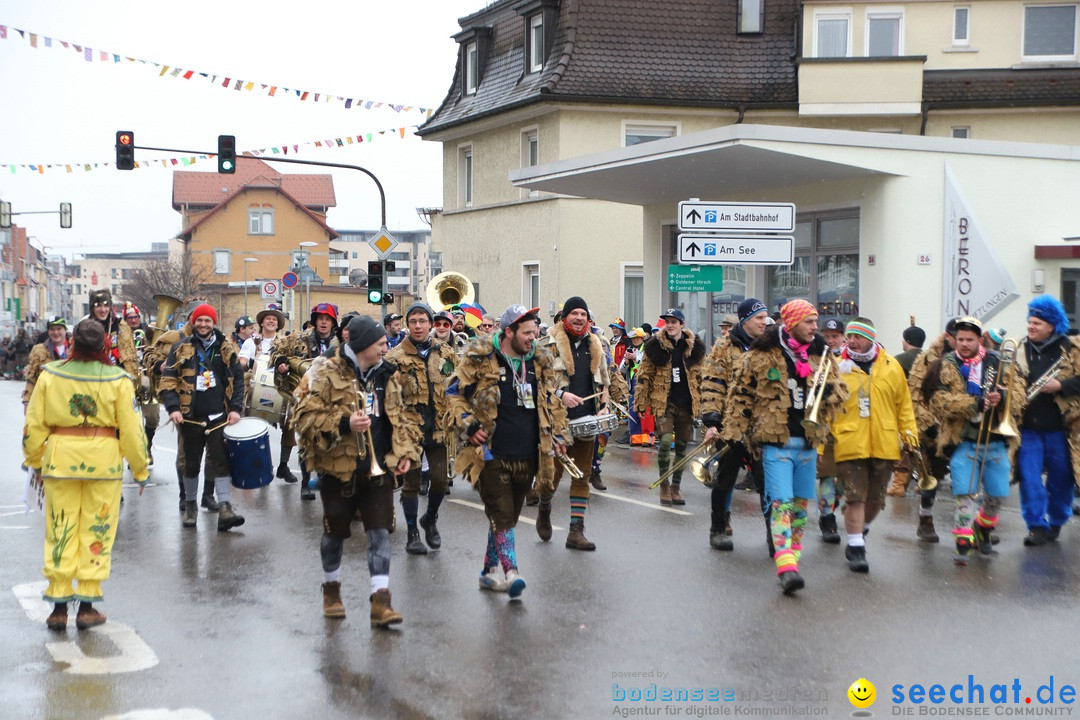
(358, 277)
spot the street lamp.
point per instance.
(307, 275)
(246, 261)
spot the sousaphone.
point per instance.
(449, 288)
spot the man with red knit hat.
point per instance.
(767, 410)
(201, 383)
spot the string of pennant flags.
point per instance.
(229, 82)
(188, 160)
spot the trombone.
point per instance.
(700, 462)
(816, 393)
(996, 382)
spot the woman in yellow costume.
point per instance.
(81, 424)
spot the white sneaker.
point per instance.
(490, 580)
(515, 584)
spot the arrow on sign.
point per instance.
(693, 216)
(693, 249)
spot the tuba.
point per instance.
(287, 383)
(166, 306)
(449, 288)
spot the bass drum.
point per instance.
(264, 401)
(247, 445)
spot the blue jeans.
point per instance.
(790, 471)
(1045, 451)
(995, 469)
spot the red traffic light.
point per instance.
(125, 150)
(124, 138)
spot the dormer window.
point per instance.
(472, 69)
(540, 18)
(751, 17)
(536, 43)
(473, 43)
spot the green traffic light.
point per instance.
(227, 165)
(374, 296)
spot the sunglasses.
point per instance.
(442, 324)
(487, 326)
(102, 303)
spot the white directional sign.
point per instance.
(736, 217)
(725, 250)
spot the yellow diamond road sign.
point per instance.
(383, 243)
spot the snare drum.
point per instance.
(593, 425)
(247, 445)
(264, 401)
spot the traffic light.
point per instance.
(65, 215)
(388, 297)
(375, 282)
(125, 150)
(226, 154)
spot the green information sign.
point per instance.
(695, 278)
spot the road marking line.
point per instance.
(134, 655)
(478, 506)
(642, 504)
(9, 514)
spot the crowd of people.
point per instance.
(810, 414)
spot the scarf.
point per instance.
(740, 337)
(848, 357)
(974, 363)
(423, 349)
(208, 341)
(797, 352)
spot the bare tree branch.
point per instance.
(178, 277)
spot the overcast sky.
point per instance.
(59, 109)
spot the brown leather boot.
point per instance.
(900, 481)
(676, 496)
(57, 620)
(543, 521)
(576, 540)
(665, 493)
(88, 617)
(382, 615)
(332, 607)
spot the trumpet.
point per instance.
(1051, 373)
(920, 470)
(571, 469)
(816, 392)
(360, 407)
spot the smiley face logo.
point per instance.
(862, 693)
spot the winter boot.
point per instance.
(227, 517)
(676, 496)
(720, 541)
(926, 531)
(596, 482)
(856, 558)
(431, 533)
(332, 607)
(57, 620)
(829, 533)
(88, 616)
(576, 540)
(413, 546)
(210, 503)
(283, 471)
(191, 513)
(982, 540)
(382, 615)
(791, 582)
(665, 493)
(543, 520)
(900, 481)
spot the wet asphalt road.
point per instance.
(229, 625)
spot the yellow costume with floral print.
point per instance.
(81, 424)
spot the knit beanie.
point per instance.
(88, 337)
(750, 307)
(795, 311)
(364, 332)
(419, 307)
(206, 310)
(574, 303)
(865, 329)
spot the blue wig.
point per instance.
(1049, 309)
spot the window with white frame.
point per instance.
(261, 221)
(530, 284)
(633, 300)
(961, 132)
(884, 33)
(1050, 32)
(751, 16)
(536, 43)
(472, 69)
(530, 155)
(961, 20)
(832, 34)
(465, 175)
(221, 262)
(640, 133)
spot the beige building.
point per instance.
(757, 102)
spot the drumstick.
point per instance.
(594, 395)
(195, 422)
(216, 427)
